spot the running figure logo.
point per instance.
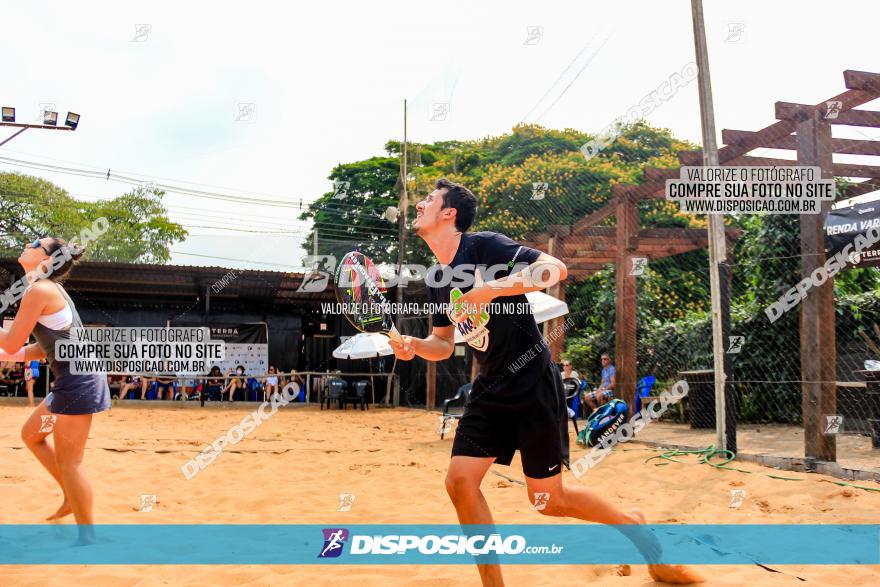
(346, 501)
(334, 540)
(736, 343)
(832, 109)
(736, 498)
(147, 503)
(541, 500)
(47, 423)
(833, 424)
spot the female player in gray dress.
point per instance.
(47, 313)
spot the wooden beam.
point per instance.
(580, 274)
(774, 131)
(840, 146)
(626, 299)
(837, 169)
(860, 188)
(559, 229)
(655, 174)
(795, 112)
(591, 266)
(596, 217)
(817, 318)
(862, 80)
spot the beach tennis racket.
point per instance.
(361, 292)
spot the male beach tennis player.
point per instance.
(517, 401)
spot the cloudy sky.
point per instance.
(261, 100)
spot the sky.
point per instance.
(262, 100)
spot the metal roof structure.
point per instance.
(150, 285)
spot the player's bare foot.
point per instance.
(63, 510)
(623, 571)
(674, 574)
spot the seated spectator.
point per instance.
(164, 385)
(7, 370)
(605, 391)
(238, 382)
(130, 383)
(214, 383)
(145, 382)
(568, 372)
(115, 383)
(31, 374)
(271, 388)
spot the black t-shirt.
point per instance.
(509, 347)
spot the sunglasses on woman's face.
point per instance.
(37, 244)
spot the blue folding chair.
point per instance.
(153, 390)
(254, 390)
(643, 390)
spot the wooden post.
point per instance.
(553, 332)
(551, 250)
(817, 331)
(557, 345)
(625, 315)
(431, 375)
(717, 252)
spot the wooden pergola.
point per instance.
(802, 128)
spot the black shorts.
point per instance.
(537, 427)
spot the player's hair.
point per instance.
(605, 355)
(73, 250)
(462, 199)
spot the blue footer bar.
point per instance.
(299, 544)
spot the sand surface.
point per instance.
(293, 467)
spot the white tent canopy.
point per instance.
(544, 308)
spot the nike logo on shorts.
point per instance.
(553, 467)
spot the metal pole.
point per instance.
(401, 216)
(13, 136)
(717, 246)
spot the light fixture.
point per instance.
(72, 120)
(50, 118)
(8, 114)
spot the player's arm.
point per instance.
(546, 271)
(32, 305)
(438, 346)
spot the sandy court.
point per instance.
(293, 467)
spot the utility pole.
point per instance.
(401, 216)
(717, 244)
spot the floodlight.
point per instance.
(72, 120)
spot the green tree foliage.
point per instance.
(140, 231)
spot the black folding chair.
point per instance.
(357, 394)
(572, 388)
(462, 395)
(335, 392)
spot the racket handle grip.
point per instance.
(394, 335)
